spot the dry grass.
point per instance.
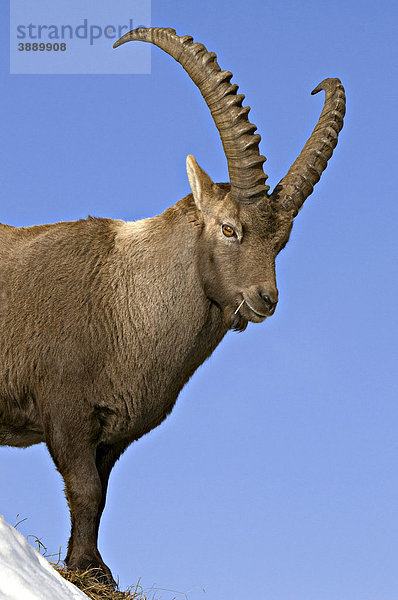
(86, 581)
(99, 591)
(88, 584)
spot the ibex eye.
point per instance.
(228, 231)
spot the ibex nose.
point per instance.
(270, 297)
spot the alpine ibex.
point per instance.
(102, 321)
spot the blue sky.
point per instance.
(276, 476)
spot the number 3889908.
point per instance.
(41, 47)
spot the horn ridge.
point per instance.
(239, 141)
(307, 169)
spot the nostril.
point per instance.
(270, 303)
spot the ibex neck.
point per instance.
(166, 325)
(160, 253)
(159, 259)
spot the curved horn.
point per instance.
(305, 172)
(245, 164)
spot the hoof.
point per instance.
(95, 569)
(102, 575)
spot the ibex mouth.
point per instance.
(246, 310)
(259, 317)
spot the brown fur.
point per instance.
(102, 323)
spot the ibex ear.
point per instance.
(199, 181)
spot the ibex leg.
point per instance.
(73, 449)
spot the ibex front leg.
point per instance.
(73, 449)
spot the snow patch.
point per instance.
(26, 575)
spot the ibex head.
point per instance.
(237, 249)
(243, 226)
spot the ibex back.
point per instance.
(102, 322)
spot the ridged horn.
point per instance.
(245, 164)
(305, 172)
